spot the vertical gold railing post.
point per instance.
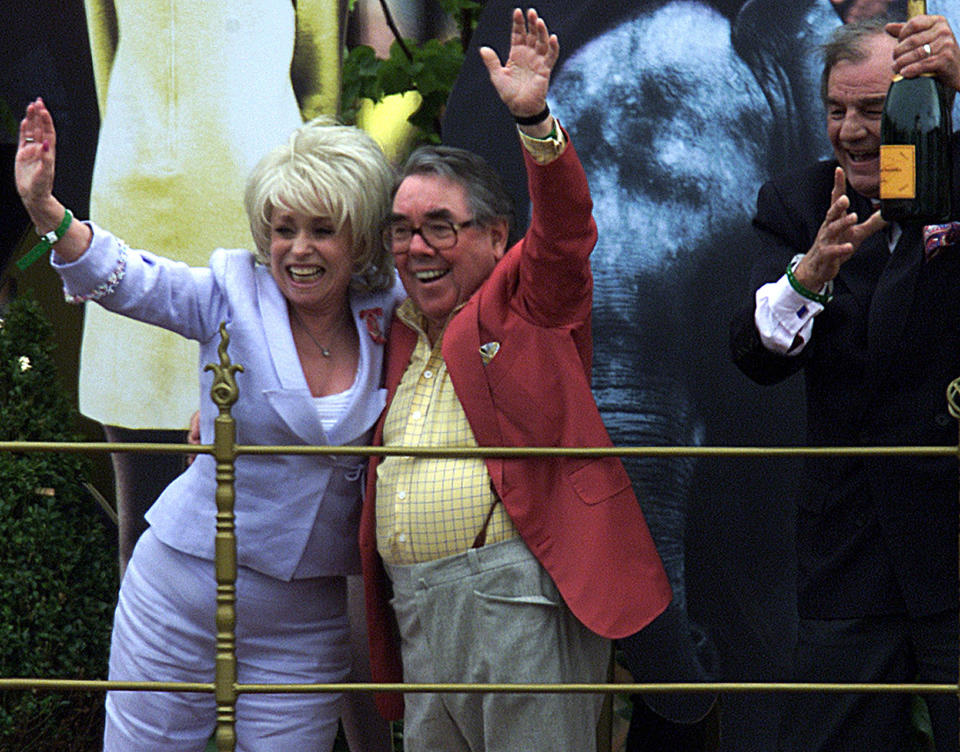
(953, 405)
(224, 393)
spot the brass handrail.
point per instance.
(88, 685)
(94, 447)
(225, 686)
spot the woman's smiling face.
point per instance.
(310, 260)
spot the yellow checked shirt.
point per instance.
(428, 508)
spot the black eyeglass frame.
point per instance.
(455, 227)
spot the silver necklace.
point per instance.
(324, 351)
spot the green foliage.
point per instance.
(57, 557)
(429, 68)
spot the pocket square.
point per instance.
(938, 237)
(488, 350)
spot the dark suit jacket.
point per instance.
(579, 517)
(874, 535)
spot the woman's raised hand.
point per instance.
(33, 172)
(36, 153)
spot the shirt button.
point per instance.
(401, 538)
(415, 415)
(401, 494)
(428, 374)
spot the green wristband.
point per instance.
(820, 298)
(46, 242)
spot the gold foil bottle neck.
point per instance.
(916, 8)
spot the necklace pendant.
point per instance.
(324, 351)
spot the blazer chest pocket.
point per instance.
(597, 480)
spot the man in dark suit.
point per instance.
(874, 323)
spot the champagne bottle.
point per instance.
(915, 155)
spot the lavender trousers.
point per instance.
(164, 630)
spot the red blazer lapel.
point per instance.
(461, 353)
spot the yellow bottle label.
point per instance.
(916, 8)
(898, 174)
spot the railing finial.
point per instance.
(224, 390)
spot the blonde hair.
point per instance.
(333, 171)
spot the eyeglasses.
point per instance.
(439, 234)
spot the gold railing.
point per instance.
(225, 450)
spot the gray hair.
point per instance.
(487, 197)
(333, 171)
(848, 42)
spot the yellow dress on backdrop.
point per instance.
(191, 94)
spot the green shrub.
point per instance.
(57, 554)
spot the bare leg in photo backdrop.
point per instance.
(139, 479)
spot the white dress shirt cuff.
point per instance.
(784, 318)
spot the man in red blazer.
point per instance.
(504, 569)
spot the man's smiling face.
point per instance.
(855, 94)
(439, 281)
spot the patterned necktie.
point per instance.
(938, 237)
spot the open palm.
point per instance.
(522, 83)
(34, 165)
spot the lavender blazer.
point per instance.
(296, 516)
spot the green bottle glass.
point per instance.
(915, 155)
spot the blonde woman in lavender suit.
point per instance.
(307, 316)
